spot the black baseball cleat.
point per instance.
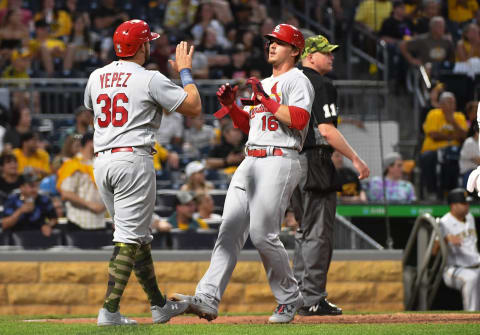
(323, 307)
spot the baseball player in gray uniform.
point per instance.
(127, 101)
(260, 190)
(462, 271)
(314, 200)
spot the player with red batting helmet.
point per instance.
(275, 119)
(127, 101)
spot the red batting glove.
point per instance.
(257, 87)
(227, 95)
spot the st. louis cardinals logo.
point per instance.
(260, 108)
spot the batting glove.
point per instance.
(226, 94)
(473, 182)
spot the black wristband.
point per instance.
(225, 163)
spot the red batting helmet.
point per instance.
(288, 33)
(130, 35)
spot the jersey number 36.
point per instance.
(111, 109)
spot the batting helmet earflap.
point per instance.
(130, 35)
(289, 34)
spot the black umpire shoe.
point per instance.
(323, 307)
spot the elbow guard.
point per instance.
(299, 117)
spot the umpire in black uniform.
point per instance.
(314, 201)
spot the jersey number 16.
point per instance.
(111, 109)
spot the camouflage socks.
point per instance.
(145, 273)
(119, 269)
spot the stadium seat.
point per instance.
(162, 241)
(5, 237)
(165, 202)
(34, 239)
(194, 240)
(89, 239)
(218, 197)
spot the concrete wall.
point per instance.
(65, 287)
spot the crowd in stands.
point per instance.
(71, 38)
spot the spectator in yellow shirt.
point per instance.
(461, 11)
(445, 129)
(45, 48)
(372, 13)
(29, 155)
(59, 20)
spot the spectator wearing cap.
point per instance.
(457, 229)
(444, 130)
(396, 189)
(76, 184)
(196, 183)
(205, 207)
(21, 123)
(28, 210)
(469, 154)
(182, 218)
(230, 152)
(9, 178)
(31, 156)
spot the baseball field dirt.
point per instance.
(341, 319)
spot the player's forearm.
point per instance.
(192, 105)
(336, 140)
(283, 115)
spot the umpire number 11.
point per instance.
(330, 110)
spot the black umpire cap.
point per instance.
(458, 195)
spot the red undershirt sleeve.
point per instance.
(240, 118)
(299, 117)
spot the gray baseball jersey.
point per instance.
(291, 88)
(127, 100)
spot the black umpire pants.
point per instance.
(315, 212)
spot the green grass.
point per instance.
(15, 326)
